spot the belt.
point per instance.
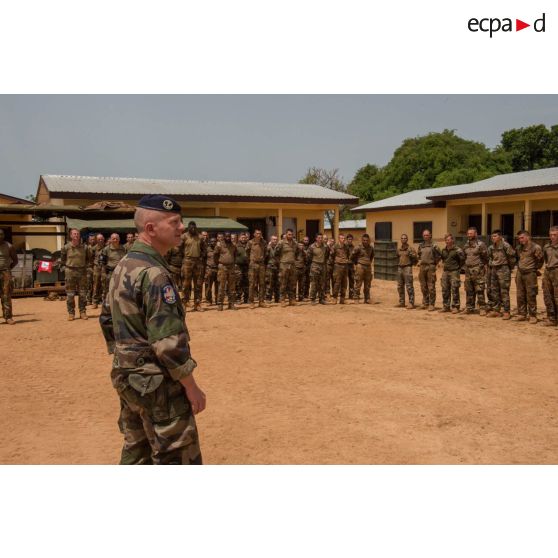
(77, 268)
(406, 265)
(526, 271)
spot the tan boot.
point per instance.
(410, 306)
(520, 318)
(455, 310)
(533, 320)
(95, 306)
(550, 323)
(333, 301)
(443, 310)
(400, 305)
(252, 306)
(482, 312)
(263, 305)
(83, 316)
(506, 316)
(10, 321)
(71, 317)
(431, 308)
(220, 307)
(292, 303)
(493, 314)
(198, 307)
(284, 304)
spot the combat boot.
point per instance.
(410, 306)
(550, 323)
(506, 316)
(71, 317)
(232, 306)
(292, 303)
(324, 302)
(423, 307)
(368, 301)
(10, 321)
(493, 314)
(469, 311)
(313, 302)
(519, 318)
(333, 301)
(252, 306)
(284, 304)
(83, 316)
(95, 306)
(198, 307)
(400, 305)
(263, 304)
(533, 320)
(431, 308)
(342, 301)
(443, 310)
(482, 312)
(220, 307)
(455, 310)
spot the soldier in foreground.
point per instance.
(501, 260)
(224, 258)
(362, 256)
(550, 278)
(143, 322)
(529, 260)
(476, 260)
(256, 251)
(286, 254)
(317, 260)
(453, 258)
(429, 255)
(74, 258)
(407, 258)
(8, 260)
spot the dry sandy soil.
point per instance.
(324, 384)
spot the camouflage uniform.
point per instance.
(317, 258)
(306, 273)
(362, 256)
(340, 256)
(174, 258)
(224, 257)
(351, 271)
(476, 258)
(211, 284)
(300, 267)
(257, 253)
(501, 259)
(8, 260)
(75, 259)
(128, 246)
(110, 257)
(453, 259)
(241, 272)
(286, 253)
(530, 259)
(550, 281)
(98, 274)
(329, 282)
(407, 259)
(193, 265)
(90, 273)
(143, 324)
(429, 255)
(272, 275)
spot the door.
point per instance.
(254, 224)
(312, 228)
(508, 226)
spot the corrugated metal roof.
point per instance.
(125, 225)
(142, 186)
(502, 183)
(348, 224)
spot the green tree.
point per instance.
(31, 197)
(533, 147)
(365, 182)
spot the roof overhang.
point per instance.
(436, 205)
(492, 193)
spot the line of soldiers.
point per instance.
(486, 269)
(88, 268)
(256, 272)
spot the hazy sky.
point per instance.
(225, 137)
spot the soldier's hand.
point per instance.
(194, 394)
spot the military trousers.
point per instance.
(89, 285)
(317, 281)
(306, 281)
(527, 289)
(550, 293)
(287, 281)
(300, 282)
(340, 274)
(405, 281)
(500, 281)
(329, 279)
(242, 282)
(211, 284)
(475, 285)
(158, 427)
(176, 273)
(256, 279)
(272, 282)
(351, 276)
(76, 285)
(363, 276)
(427, 280)
(226, 278)
(6, 293)
(192, 272)
(98, 284)
(451, 282)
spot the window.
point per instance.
(476, 221)
(382, 231)
(419, 227)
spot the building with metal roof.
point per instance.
(509, 202)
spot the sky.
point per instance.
(261, 138)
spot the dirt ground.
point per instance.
(310, 384)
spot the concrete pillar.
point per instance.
(217, 212)
(336, 223)
(527, 216)
(484, 220)
(279, 222)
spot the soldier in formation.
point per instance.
(317, 258)
(210, 280)
(407, 258)
(241, 269)
(362, 257)
(8, 260)
(501, 260)
(272, 271)
(429, 255)
(193, 265)
(111, 254)
(340, 256)
(476, 261)
(453, 258)
(286, 254)
(257, 252)
(550, 278)
(224, 257)
(300, 267)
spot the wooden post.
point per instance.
(484, 220)
(279, 222)
(336, 224)
(217, 212)
(527, 216)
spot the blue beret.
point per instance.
(159, 203)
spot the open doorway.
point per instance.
(508, 227)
